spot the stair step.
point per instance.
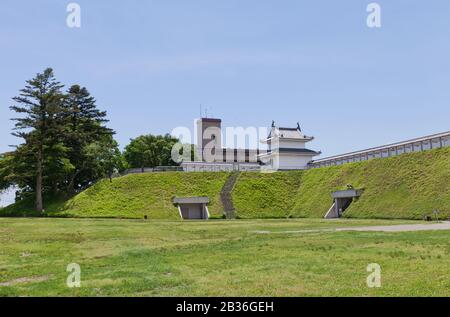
(225, 195)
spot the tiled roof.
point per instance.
(290, 133)
(210, 120)
(286, 133)
(287, 150)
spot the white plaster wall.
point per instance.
(211, 167)
(288, 144)
(446, 141)
(293, 162)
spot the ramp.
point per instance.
(331, 213)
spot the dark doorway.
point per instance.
(342, 199)
(342, 204)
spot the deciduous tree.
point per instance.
(150, 151)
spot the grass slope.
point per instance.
(406, 186)
(266, 195)
(136, 195)
(217, 258)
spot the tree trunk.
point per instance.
(39, 204)
(55, 187)
(70, 187)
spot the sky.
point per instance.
(151, 64)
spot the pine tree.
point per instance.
(41, 104)
(84, 125)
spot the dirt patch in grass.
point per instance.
(22, 280)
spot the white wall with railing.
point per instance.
(415, 145)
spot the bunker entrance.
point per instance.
(342, 199)
(192, 208)
(342, 204)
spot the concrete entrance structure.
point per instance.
(341, 201)
(192, 208)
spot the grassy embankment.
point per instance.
(407, 186)
(218, 258)
(134, 196)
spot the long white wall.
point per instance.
(416, 145)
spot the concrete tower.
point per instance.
(209, 138)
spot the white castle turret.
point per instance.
(286, 149)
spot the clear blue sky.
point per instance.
(150, 64)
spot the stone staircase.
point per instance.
(225, 195)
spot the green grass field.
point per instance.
(223, 258)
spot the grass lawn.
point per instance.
(218, 258)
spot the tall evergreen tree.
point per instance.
(66, 145)
(41, 104)
(6, 163)
(84, 125)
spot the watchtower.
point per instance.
(209, 138)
